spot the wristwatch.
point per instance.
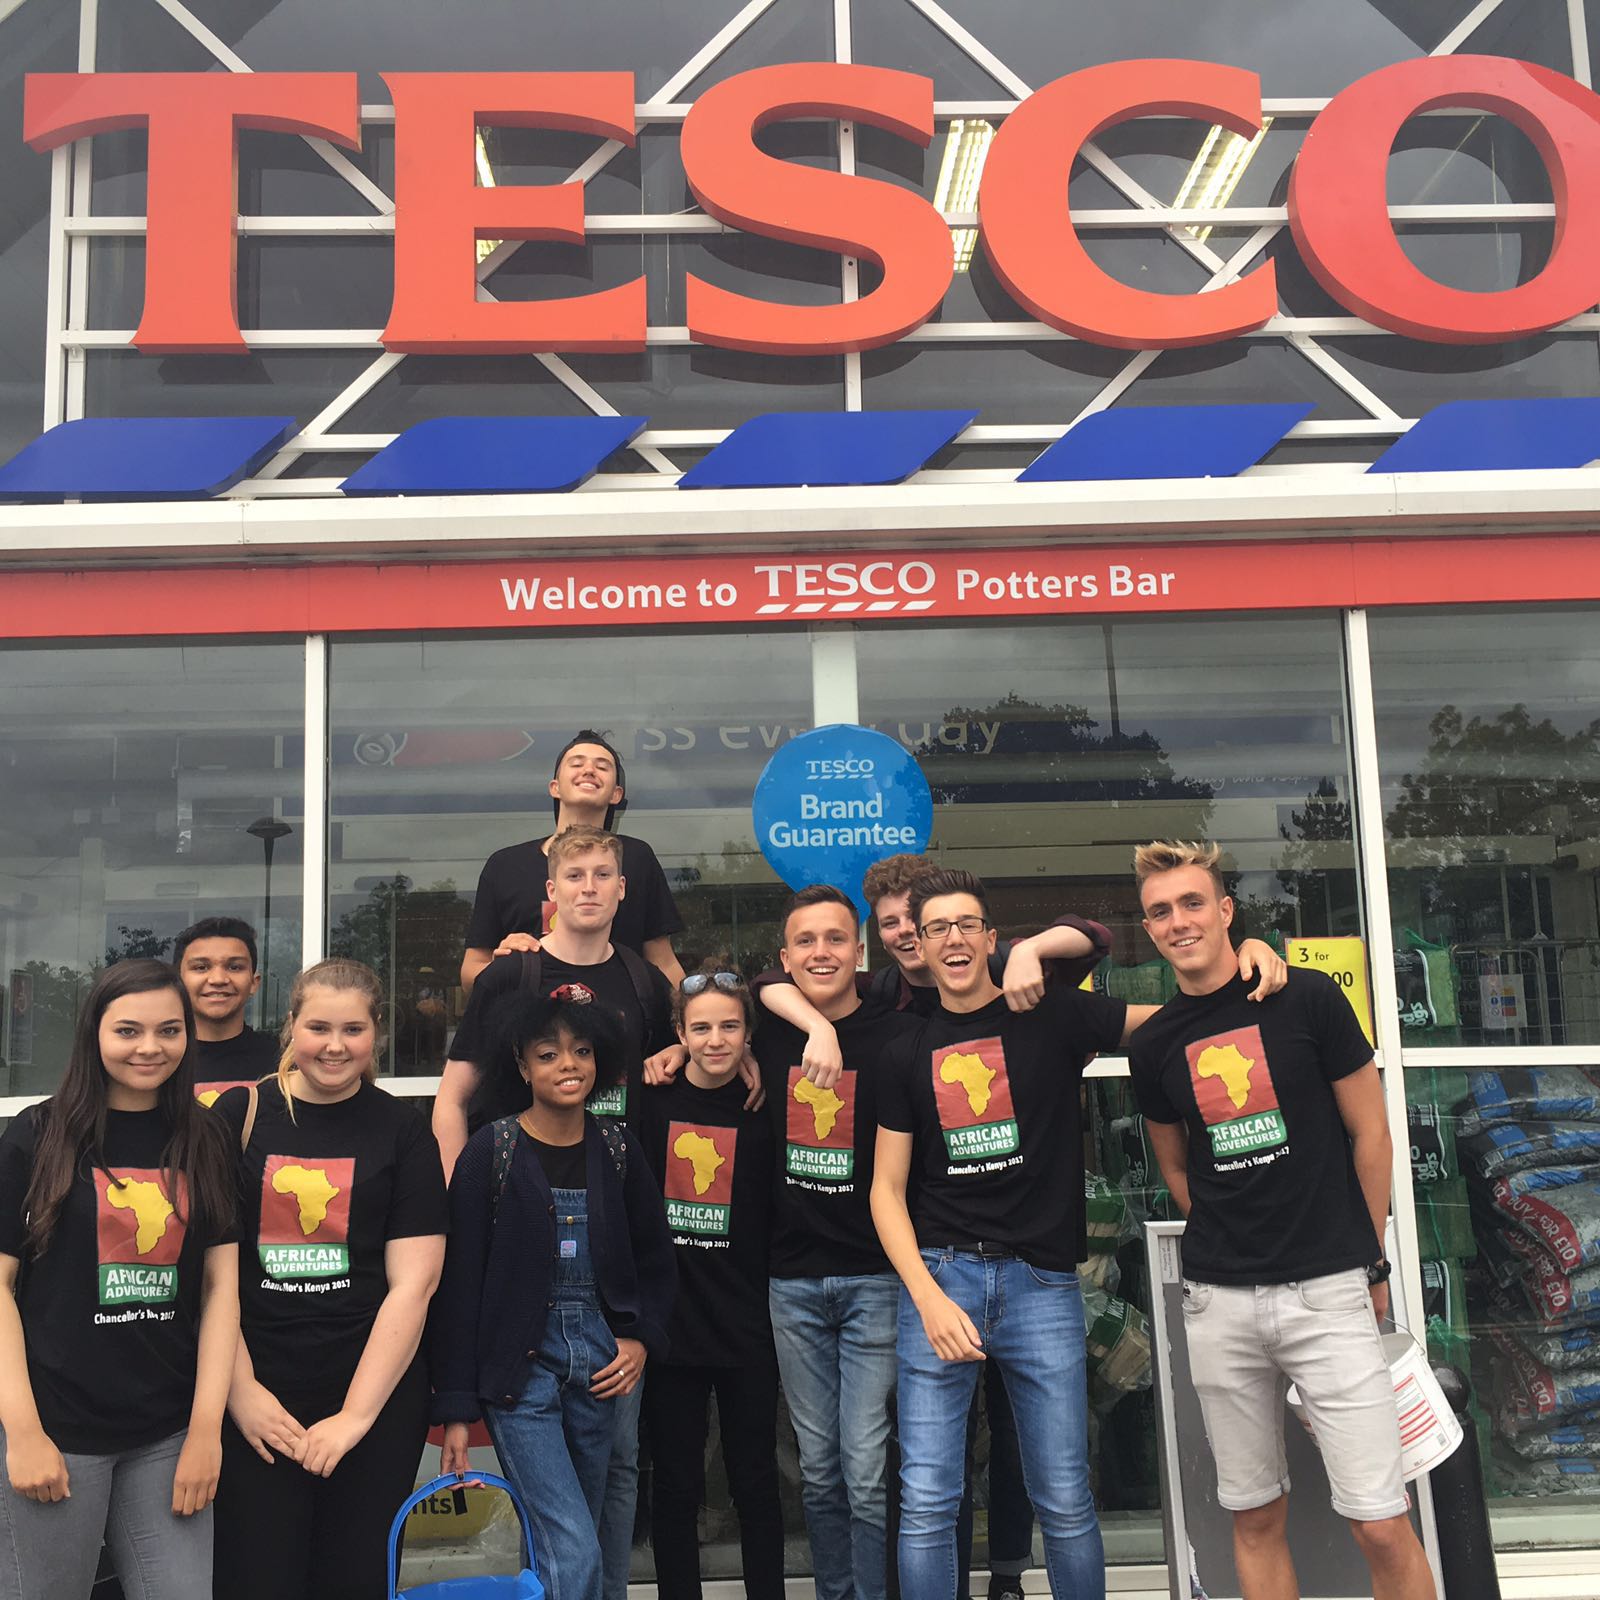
(1378, 1272)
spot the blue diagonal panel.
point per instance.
(142, 458)
(1495, 435)
(786, 449)
(494, 455)
(1164, 442)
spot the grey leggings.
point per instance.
(49, 1552)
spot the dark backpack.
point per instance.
(505, 1146)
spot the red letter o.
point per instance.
(1339, 209)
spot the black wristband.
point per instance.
(1378, 1272)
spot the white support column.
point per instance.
(1373, 876)
(834, 696)
(314, 881)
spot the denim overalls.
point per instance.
(554, 1442)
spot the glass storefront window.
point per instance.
(1506, 1174)
(129, 781)
(1052, 749)
(1489, 748)
(442, 752)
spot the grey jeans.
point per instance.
(50, 1552)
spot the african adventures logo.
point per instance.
(821, 1128)
(973, 1095)
(699, 1186)
(140, 1236)
(1232, 1081)
(305, 1216)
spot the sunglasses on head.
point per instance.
(699, 982)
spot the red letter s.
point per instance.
(891, 226)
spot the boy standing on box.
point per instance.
(1269, 1124)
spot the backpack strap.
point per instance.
(643, 977)
(615, 1134)
(505, 1147)
(531, 968)
(254, 1091)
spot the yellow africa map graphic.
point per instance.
(820, 1125)
(148, 1202)
(699, 1179)
(312, 1190)
(140, 1236)
(825, 1106)
(1234, 1093)
(970, 1072)
(702, 1155)
(305, 1216)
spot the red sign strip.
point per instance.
(709, 589)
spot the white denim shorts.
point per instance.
(1247, 1345)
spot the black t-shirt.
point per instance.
(511, 897)
(645, 1029)
(1273, 1190)
(714, 1160)
(565, 1165)
(822, 1221)
(992, 1098)
(319, 1197)
(221, 1064)
(111, 1310)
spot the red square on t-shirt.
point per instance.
(971, 1084)
(1231, 1075)
(136, 1221)
(823, 1119)
(700, 1163)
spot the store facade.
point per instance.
(1379, 690)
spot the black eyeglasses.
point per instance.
(940, 927)
(698, 982)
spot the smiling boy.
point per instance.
(1269, 1125)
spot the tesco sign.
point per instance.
(1338, 209)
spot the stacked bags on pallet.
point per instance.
(1529, 1140)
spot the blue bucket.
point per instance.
(523, 1585)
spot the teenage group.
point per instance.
(241, 1291)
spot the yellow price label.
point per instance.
(1343, 960)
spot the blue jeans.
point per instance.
(835, 1339)
(49, 1552)
(621, 1497)
(1031, 1323)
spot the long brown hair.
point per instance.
(338, 973)
(72, 1122)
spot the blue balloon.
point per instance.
(833, 801)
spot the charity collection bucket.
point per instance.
(1429, 1429)
(524, 1585)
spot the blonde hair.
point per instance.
(579, 840)
(340, 974)
(1166, 855)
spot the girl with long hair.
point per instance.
(558, 1281)
(715, 1162)
(121, 1312)
(342, 1214)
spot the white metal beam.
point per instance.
(660, 519)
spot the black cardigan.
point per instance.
(489, 1314)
